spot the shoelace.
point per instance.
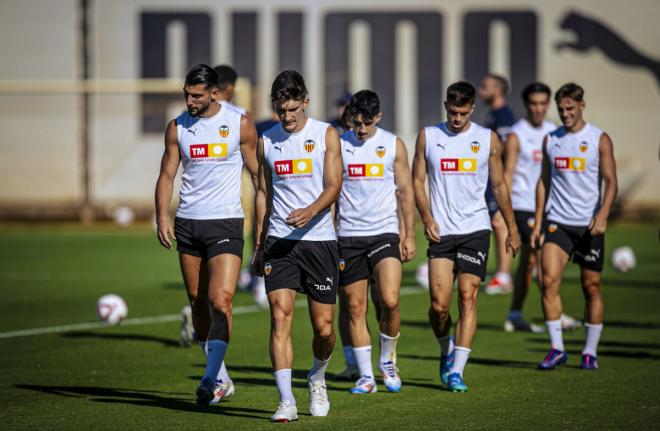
(388, 367)
(364, 380)
(319, 393)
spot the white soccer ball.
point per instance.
(111, 308)
(623, 259)
(422, 275)
(123, 216)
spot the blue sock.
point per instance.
(216, 354)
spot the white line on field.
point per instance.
(166, 318)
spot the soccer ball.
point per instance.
(623, 259)
(111, 309)
(123, 216)
(422, 275)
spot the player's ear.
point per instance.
(305, 103)
(378, 117)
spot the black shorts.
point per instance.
(310, 267)
(209, 238)
(586, 250)
(469, 252)
(525, 223)
(360, 254)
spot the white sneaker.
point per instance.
(349, 373)
(498, 287)
(286, 412)
(259, 293)
(222, 391)
(187, 336)
(319, 404)
(569, 324)
(391, 377)
(522, 325)
(366, 385)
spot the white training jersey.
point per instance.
(457, 166)
(367, 202)
(575, 175)
(296, 161)
(528, 163)
(212, 166)
(234, 107)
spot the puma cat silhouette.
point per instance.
(591, 33)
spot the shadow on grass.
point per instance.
(127, 337)
(613, 353)
(619, 281)
(479, 361)
(171, 285)
(145, 398)
(603, 343)
(425, 324)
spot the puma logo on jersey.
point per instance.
(278, 148)
(193, 131)
(595, 253)
(329, 279)
(348, 150)
(440, 145)
(482, 255)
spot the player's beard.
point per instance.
(197, 112)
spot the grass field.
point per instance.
(137, 377)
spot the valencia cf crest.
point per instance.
(380, 151)
(267, 269)
(584, 146)
(342, 264)
(475, 146)
(309, 145)
(552, 228)
(223, 131)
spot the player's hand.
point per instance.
(258, 261)
(513, 242)
(598, 224)
(432, 230)
(408, 249)
(536, 239)
(165, 233)
(300, 217)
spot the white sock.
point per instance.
(593, 336)
(515, 315)
(388, 348)
(349, 356)
(216, 353)
(556, 336)
(504, 277)
(461, 355)
(363, 357)
(317, 373)
(446, 345)
(223, 374)
(283, 381)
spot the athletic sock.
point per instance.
(556, 335)
(388, 348)
(349, 356)
(283, 381)
(363, 357)
(223, 375)
(317, 373)
(514, 315)
(216, 353)
(461, 355)
(593, 337)
(446, 345)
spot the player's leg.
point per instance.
(223, 276)
(195, 279)
(282, 304)
(554, 259)
(387, 273)
(501, 281)
(351, 371)
(374, 290)
(441, 285)
(355, 295)
(521, 283)
(321, 317)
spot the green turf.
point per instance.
(136, 377)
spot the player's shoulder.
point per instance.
(185, 120)
(594, 130)
(274, 134)
(437, 128)
(234, 108)
(558, 133)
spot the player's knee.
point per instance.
(591, 290)
(323, 328)
(550, 283)
(222, 303)
(390, 305)
(280, 319)
(440, 310)
(357, 307)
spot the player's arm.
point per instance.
(511, 150)
(406, 199)
(332, 177)
(542, 192)
(165, 185)
(431, 228)
(608, 173)
(501, 193)
(248, 145)
(263, 204)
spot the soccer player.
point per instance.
(575, 159)
(300, 175)
(212, 143)
(493, 91)
(458, 156)
(227, 77)
(375, 165)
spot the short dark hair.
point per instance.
(570, 91)
(202, 74)
(226, 75)
(289, 85)
(366, 103)
(534, 87)
(502, 81)
(461, 93)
